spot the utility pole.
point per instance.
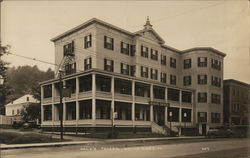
(61, 104)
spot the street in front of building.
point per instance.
(173, 149)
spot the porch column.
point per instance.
(64, 104)
(52, 105)
(93, 99)
(133, 101)
(180, 109)
(151, 105)
(112, 97)
(42, 97)
(77, 102)
(166, 108)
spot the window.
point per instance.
(108, 43)
(132, 50)
(68, 49)
(215, 64)
(186, 97)
(173, 94)
(172, 62)
(125, 87)
(142, 90)
(124, 48)
(173, 79)
(70, 68)
(175, 114)
(132, 70)
(109, 65)
(144, 51)
(187, 80)
(202, 116)
(187, 63)
(144, 72)
(28, 99)
(215, 98)
(154, 74)
(154, 54)
(47, 91)
(87, 41)
(163, 77)
(202, 97)
(87, 64)
(202, 79)
(215, 81)
(236, 108)
(124, 69)
(202, 61)
(159, 92)
(163, 59)
(13, 112)
(47, 110)
(215, 117)
(18, 112)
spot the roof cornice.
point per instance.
(88, 23)
(204, 48)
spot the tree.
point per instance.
(25, 80)
(31, 112)
(4, 89)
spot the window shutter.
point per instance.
(121, 47)
(112, 63)
(141, 71)
(90, 37)
(105, 64)
(198, 61)
(85, 64)
(112, 45)
(147, 52)
(85, 42)
(151, 73)
(64, 50)
(73, 47)
(90, 62)
(121, 68)
(147, 71)
(206, 79)
(105, 41)
(74, 67)
(127, 70)
(156, 72)
(198, 79)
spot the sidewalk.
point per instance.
(58, 144)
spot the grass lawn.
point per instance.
(20, 137)
(121, 135)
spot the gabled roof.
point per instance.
(23, 100)
(151, 30)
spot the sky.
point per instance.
(28, 26)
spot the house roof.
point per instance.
(23, 100)
(147, 28)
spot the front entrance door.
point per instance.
(204, 129)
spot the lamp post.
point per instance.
(170, 119)
(61, 104)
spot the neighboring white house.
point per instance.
(14, 108)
